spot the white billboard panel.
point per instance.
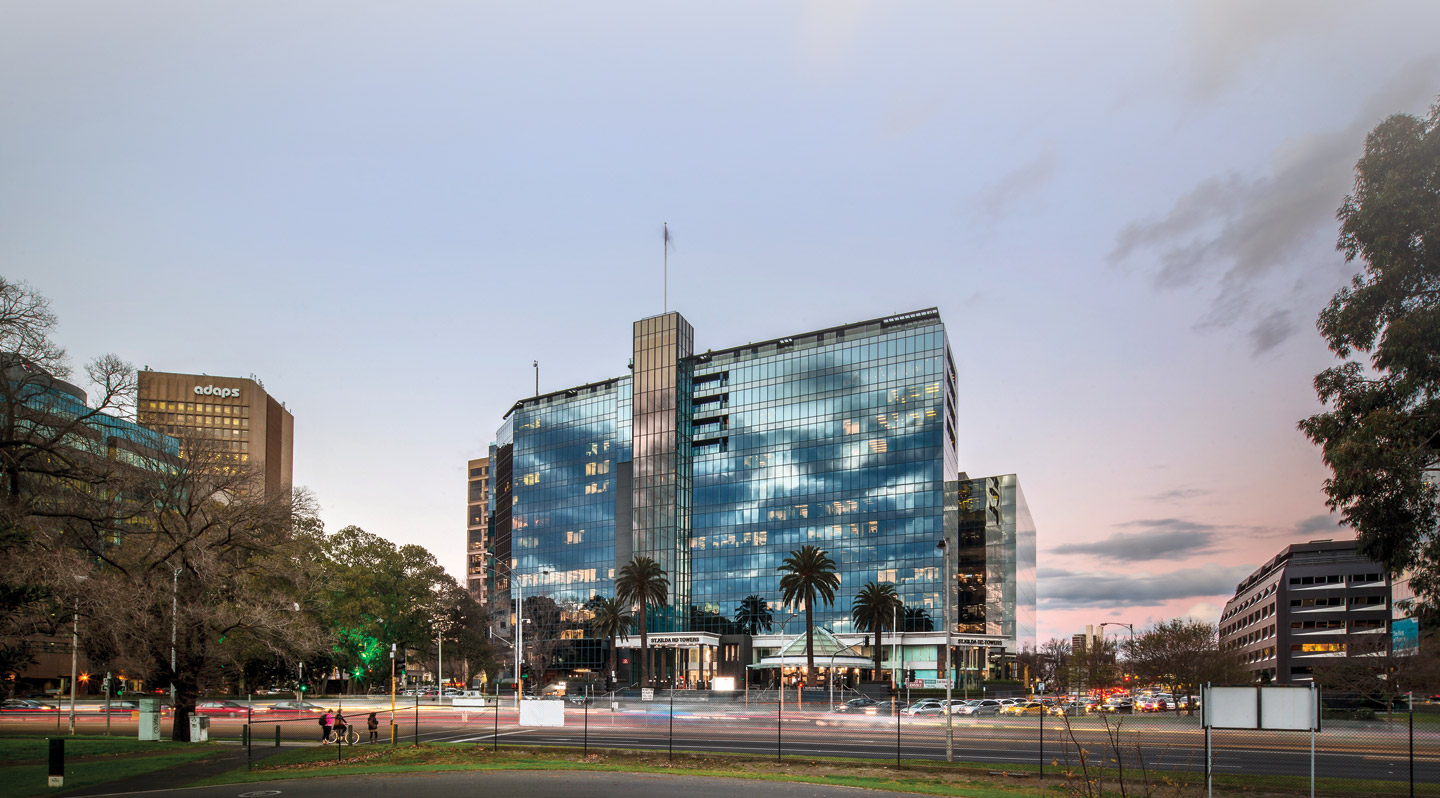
(1272, 708)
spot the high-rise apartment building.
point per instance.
(477, 527)
(718, 464)
(1311, 604)
(235, 412)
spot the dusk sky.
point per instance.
(1124, 212)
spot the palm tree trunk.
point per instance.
(809, 635)
(644, 650)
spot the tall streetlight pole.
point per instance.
(74, 657)
(949, 666)
(174, 626)
(519, 621)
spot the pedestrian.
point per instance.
(325, 721)
(373, 724)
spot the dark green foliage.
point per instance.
(1381, 434)
(641, 583)
(874, 609)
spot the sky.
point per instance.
(1125, 212)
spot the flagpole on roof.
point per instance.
(665, 307)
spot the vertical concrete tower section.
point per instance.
(660, 494)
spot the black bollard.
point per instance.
(57, 762)
(277, 735)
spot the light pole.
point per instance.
(1129, 626)
(949, 666)
(174, 626)
(832, 670)
(74, 658)
(781, 680)
(519, 617)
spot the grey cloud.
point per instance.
(1110, 590)
(1271, 331)
(1166, 539)
(1227, 36)
(1180, 494)
(1320, 526)
(995, 200)
(1233, 231)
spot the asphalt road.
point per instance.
(1355, 751)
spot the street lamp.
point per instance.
(949, 666)
(75, 654)
(1129, 626)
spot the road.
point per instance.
(1353, 751)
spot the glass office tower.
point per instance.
(719, 464)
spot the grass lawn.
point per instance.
(15, 750)
(88, 761)
(974, 780)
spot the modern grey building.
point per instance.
(1312, 603)
(718, 464)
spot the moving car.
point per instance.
(1067, 708)
(1118, 706)
(26, 705)
(295, 708)
(228, 709)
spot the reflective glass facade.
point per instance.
(719, 464)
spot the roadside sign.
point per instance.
(942, 683)
(647, 694)
(916, 684)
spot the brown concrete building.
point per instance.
(477, 527)
(252, 424)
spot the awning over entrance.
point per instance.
(829, 651)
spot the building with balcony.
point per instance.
(1313, 602)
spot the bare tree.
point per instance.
(1372, 669)
(1182, 654)
(188, 567)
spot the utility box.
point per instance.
(149, 719)
(199, 728)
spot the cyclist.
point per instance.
(340, 727)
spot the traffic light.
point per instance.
(910, 674)
(525, 671)
(400, 663)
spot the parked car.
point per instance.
(1028, 708)
(1067, 708)
(228, 709)
(1118, 706)
(981, 706)
(926, 706)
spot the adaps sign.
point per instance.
(220, 393)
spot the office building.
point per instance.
(249, 424)
(1312, 603)
(477, 527)
(718, 464)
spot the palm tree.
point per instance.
(753, 615)
(874, 608)
(809, 572)
(917, 619)
(610, 619)
(641, 583)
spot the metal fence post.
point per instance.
(495, 741)
(779, 723)
(586, 747)
(277, 735)
(896, 709)
(417, 717)
(1042, 742)
(672, 724)
(1411, 702)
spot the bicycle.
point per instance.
(350, 737)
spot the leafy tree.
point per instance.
(875, 607)
(753, 615)
(808, 573)
(610, 618)
(1182, 655)
(641, 583)
(1381, 434)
